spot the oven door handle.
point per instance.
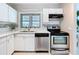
(61, 49)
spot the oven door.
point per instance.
(59, 41)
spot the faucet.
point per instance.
(29, 28)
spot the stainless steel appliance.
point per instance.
(42, 41)
(55, 15)
(59, 42)
(63, 51)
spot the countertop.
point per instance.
(3, 34)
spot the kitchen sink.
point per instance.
(27, 31)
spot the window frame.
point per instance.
(30, 20)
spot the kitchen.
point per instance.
(25, 28)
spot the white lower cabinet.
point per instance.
(19, 43)
(3, 46)
(29, 43)
(7, 45)
(10, 44)
(25, 42)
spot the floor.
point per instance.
(30, 53)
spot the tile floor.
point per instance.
(30, 53)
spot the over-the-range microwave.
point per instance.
(55, 15)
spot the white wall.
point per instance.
(69, 25)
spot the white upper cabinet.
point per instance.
(3, 12)
(12, 15)
(45, 15)
(55, 11)
(47, 11)
(7, 13)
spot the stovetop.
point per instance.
(59, 33)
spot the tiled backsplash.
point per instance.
(7, 27)
(4, 28)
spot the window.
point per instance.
(35, 21)
(30, 20)
(25, 20)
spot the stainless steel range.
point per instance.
(60, 40)
(59, 43)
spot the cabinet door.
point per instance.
(19, 43)
(15, 16)
(3, 46)
(3, 12)
(51, 11)
(1, 49)
(55, 11)
(10, 44)
(45, 16)
(29, 42)
(12, 15)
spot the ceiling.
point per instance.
(20, 6)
